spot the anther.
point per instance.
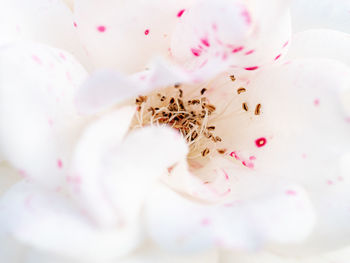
(245, 106)
(257, 109)
(232, 77)
(203, 91)
(205, 152)
(221, 151)
(241, 90)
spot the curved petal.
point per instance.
(302, 134)
(50, 222)
(245, 35)
(328, 14)
(311, 44)
(181, 225)
(125, 35)
(45, 21)
(38, 120)
(113, 176)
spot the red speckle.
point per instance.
(205, 222)
(278, 56)
(234, 154)
(316, 102)
(286, 44)
(246, 16)
(146, 32)
(249, 165)
(205, 42)
(37, 59)
(101, 29)
(261, 142)
(181, 12)
(249, 52)
(252, 68)
(238, 49)
(252, 158)
(226, 175)
(59, 163)
(196, 52)
(291, 192)
(75, 24)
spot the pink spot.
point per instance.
(278, 56)
(196, 52)
(237, 49)
(261, 142)
(73, 179)
(249, 165)
(252, 158)
(285, 44)
(249, 52)
(146, 32)
(304, 155)
(329, 182)
(340, 178)
(62, 56)
(69, 76)
(205, 222)
(246, 16)
(226, 175)
(316, 102)
(205, 42)
(23, 173)
(252, 68)
(75, 24)
(181, 12)
(101, 29)
(234, 154)
(37, 59)
(60, 163)
(50, 121)
(170, 169)
(291, 192)
(215, 27)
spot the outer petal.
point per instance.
(45, 21)
(125, 35)
(112, 178)
(183, 225)
(38, 121)
(328, 14)
(245, 35)
(304, 131)
(48, 221)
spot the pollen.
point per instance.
(190, 116)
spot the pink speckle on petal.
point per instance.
(37, 59)
(226, 175)
(291, 192)
(246, 16)
(260, 142)
(340, 178)
(286, 44)
(277, 57)
(101, 29)
(252, 68)
(75, 24)
(205, 222)
(249, 52)
(146, 32)
(252, 158)
(237, 49)
(235, 155)
(205, 42)
(316, 102)
(196, 52)
(329, 182)
(181, 12)
(62, 56)
(59, 163)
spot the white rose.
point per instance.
(257, 168)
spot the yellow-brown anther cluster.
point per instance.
(190, 117)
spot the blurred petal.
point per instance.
(116, 175)
(8, 177)
(179, 224)
(45, 21)
(47, 221)
(119, 36)
(38, 120)
(330, 14)
(246, 35)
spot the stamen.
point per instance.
(221, 151)
(245, 106)
(232, 77)
(203, 91)
(257, 109)
(205, 152)
(241, 90)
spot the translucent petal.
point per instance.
(38, 120)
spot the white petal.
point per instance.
(183, 225)
(38, 120)
(246, 35)
(115, 176)
(8, 177)
(48, 221)
(125, 35)
(328, 14)
(46, 21)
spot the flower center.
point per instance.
(191, 114)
